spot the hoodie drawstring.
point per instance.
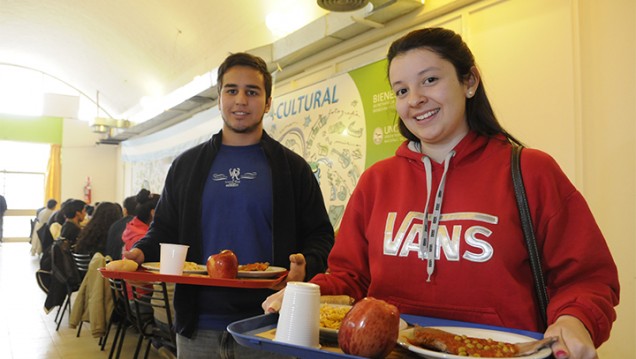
(428, 242)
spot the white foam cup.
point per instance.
(172, 258)
(299, 318)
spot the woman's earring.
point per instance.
(469, 94)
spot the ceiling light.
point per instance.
(342, 5)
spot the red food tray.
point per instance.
(143, 275)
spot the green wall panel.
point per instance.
(31, 129)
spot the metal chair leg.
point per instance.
(115, 340)
(67, 304)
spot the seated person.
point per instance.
(74, 213)
(114, 243)
(92, 238)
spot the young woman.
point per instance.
(138, 226)
(92, 238)
(449, 186)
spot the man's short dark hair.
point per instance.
(249, 60)
(51, 204)
(74, 206)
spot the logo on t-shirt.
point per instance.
(234, 178)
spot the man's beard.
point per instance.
(249, 129)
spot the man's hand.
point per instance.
(297, 268)
(297, 272)
(574, 339)
(134, 254)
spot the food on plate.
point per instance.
(337, 299)
(370, 329)
(463, 345)
(190, 266)
(223, 265)
(331, 316)
(253, 267)
(122, 265)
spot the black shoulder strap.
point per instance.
(528, 233)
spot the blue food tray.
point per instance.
(245, 333)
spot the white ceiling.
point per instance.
(127, 49)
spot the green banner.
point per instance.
(383, 136)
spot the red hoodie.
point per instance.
(135, 230)
(482, 271)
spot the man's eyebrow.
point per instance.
(257, 87)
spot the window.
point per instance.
(22, 176)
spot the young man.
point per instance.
(75, 213)
(242, 191)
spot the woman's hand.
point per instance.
(574, 341)
(297, 271)
(134, 254)
(273, 303)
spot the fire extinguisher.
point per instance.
(87, 190)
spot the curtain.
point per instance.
(52, 187)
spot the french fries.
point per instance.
(331, 316)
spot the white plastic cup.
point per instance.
(299, 318)
(172, 258)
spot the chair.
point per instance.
(122, 314)
(150, 298)
(73, 283)
(82, 262)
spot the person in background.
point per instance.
(92, 238)
(441, 215)
(242, 191)
(74, 213)
(42, 218)
(3, 208)
(135, 230)
(114, 243)
(138, 226)
(90, 209)
(52, 229)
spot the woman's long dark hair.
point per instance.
(450, 46)
(92, 238)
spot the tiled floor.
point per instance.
(26, 331)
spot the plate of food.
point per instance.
(259, 270)
(188, 267)
(460, 342)
(331, 316)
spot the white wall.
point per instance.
(82, 157)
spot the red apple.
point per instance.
(370, 329)
(223, 265)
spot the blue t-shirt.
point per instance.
(236, 214)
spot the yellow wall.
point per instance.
(607, 150)
(562, 78)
